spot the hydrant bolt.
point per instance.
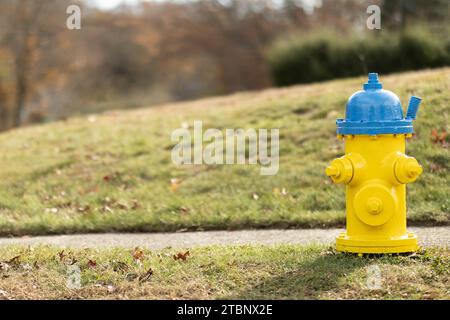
(375, 170)
(374, 205)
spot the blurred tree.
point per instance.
(35, 35)
(160, 50)
(3, 108)
(219, 45)
(30, 29)
(401, 13)
(22, 42)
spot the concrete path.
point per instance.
(428, 236)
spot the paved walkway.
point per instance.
(428, 236)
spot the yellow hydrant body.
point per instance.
(375, 170)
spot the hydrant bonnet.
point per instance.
(375, 111)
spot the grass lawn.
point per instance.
(242, 272)
(113, 172)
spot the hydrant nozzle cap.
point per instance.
(407, 169)
(332, 171)
(340, 170)
(373, 83)
(413, 169)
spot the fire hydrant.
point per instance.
(375, 170)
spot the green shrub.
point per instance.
(327, 55)
(421, 50)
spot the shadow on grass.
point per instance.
(307, 280)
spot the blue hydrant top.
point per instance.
(376, 111)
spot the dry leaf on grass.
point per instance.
(146, 276)
(174, 184)
(91, 263)
(61, 255)
(181, 255)
(138, 254)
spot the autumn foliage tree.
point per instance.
(156, 51)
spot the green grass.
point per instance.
(112, 172)
(234, 272)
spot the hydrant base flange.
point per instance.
(407, 243)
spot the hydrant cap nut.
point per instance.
(332, 171)
(414, 169)
(374, 204)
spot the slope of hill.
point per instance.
(113, 172)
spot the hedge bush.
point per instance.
(327, 55)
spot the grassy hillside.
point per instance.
(113, 171)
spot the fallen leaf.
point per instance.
(138, 254)
(14, 260)
(107, 209)
(119, 266)
(434, 135)
(439, 138)
(435, 167)
(181, 255)
(122, 205)
(135, 205)
(184, 210)
(92, 263)
(146, 276)
(108, 200)
(131, 276)
(61, 255)
(174, 184)
(83, 209)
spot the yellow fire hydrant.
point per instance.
(375, 170)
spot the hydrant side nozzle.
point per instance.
(413, 107)
(407, 169)
(340, 170)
